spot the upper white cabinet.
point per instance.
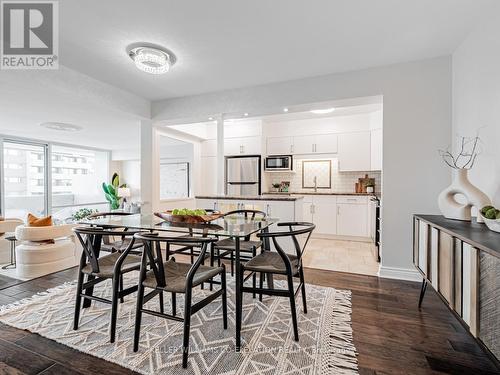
(315, 144)
(376, 150)
(326, 144)
(354, 151)
(303, 144)
(208, 175)
(242, 146)
(279, 145)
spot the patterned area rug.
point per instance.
(325, 346)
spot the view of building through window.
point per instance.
(24, 179)
(76, 176)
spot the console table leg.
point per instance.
(422, 292)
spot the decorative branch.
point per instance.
(466, 157)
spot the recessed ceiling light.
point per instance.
(61, 126)
(245, 114)
(285, 109)
(210, 118)
(322, 111)
(151, 58)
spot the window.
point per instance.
(71, 184)
(24, 187)
(71, 187)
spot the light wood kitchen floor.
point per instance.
(340, 255)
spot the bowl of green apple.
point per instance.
(185, 215)
(491, 216)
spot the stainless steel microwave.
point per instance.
(279, 163)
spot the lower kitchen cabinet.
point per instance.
(338, 215)
(352, 219)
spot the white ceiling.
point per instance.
(224, 44)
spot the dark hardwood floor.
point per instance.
(391, 335)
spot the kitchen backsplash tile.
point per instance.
(342, 182)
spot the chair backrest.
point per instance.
(294, 229)
(152, 252)
(247, 213)
(91, 239)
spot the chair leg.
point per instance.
(161, 302)
(211, 265)
(121, 287)
(187, 326)
(114, 307)
(138, 316)
(224, 297)
(261, 284)
(232, 264)
(78, 303)
(293, 308)
(254, 277)
(174, 304)
(191, 251)
(304, 299)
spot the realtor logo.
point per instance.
(30, 35)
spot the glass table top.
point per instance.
(228, 226)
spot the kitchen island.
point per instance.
(284, 207)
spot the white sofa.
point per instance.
(35, 258)
(7, 226)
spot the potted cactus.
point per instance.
(111, 191)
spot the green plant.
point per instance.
(82, 213)
(111, 191)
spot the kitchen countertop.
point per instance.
(321, 193)
(270, 197)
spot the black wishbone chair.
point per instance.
(175, 277)
(224, 249)
(283, 263)
(101, 268)
(112, 245)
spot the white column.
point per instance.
(220, 154)
(148, 173)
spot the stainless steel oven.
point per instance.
(279, 163)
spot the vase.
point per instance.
(451, 208)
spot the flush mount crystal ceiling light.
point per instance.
(151, 58)
(61, 126)
(322, 111)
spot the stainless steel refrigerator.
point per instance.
(243, 175)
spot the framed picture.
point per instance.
(317, 173)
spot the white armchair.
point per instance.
(7, 226)
(35, 256)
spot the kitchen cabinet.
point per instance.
(326, 144)
(304, 144)
(279, 145)
(323, 211)
(354, 151)
(352, 217)
(243, 146)
(376, 150)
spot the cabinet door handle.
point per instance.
(291, 149)
(311, 209)
(338, 210)
(268, 210)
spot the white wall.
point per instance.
(417, 121)
(476, 99)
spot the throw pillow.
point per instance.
(34, 221)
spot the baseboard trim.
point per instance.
(400, 273)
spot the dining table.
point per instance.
(238, 227)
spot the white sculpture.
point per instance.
(450, 206)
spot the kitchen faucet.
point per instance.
(315, 184)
